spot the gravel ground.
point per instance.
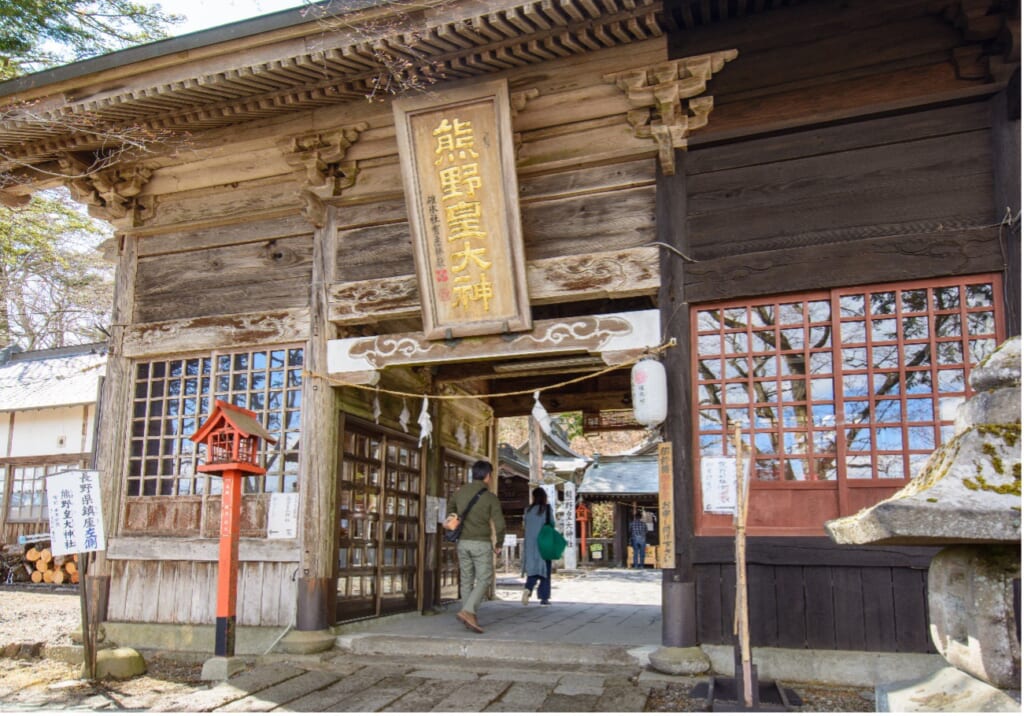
(809, 698)
(30, 613)
(33, 617)
(36, 616)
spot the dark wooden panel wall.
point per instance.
(812, 594)
(895, 198)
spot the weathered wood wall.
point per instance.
(830, 60)
(178, 577)
(207, 277)
(185, 592)
(13, 530)
(226, 238)
(167, 550)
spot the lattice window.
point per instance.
(28, 490)
(853, 384)
(174, 397)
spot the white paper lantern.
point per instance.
(650, 393)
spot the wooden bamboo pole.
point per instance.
(741, 623)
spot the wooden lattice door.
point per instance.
(379, 498)
(456, 474)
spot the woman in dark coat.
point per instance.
(536, 568)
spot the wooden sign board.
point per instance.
(666, 507)
(76, 517)
(458, 167)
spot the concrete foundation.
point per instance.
(680, 661)
(197, 638)
(306, 642)
(850, 668)
(222, 668)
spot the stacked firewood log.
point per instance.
(44, 567)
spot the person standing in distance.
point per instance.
(638, 539)
(536, 569)
(475, 549)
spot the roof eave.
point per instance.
(303, 15)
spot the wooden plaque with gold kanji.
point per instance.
(462, 195)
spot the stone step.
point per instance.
(491, 649)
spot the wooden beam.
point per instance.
(199, 549)
(805, 268)
(220, 332)
(561, 401)
(616, 336)
(604, 274)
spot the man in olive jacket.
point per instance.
(476, 551)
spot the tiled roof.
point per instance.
(628, 476)
(52, 378)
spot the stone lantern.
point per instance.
(966, 498)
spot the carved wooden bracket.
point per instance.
(318, 160)
(659, 92)
(994, 36)
(111, 193)
(517, 102)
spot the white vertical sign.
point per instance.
(718, 484)
(76, 518)
(552, 498)
(569, 524)
(283, 515)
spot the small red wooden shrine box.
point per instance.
(232, 436)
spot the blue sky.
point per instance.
(203, 14)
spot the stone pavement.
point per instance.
(572, 656)
(583, 653)
(587, 652)
(341, 682)
(604, 616)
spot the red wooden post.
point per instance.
(232, 437)
(227, 563)
(583, 517)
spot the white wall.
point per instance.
(39, 432)
(5, 431)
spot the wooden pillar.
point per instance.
(679, 602)
(620, 534)
(536, 444)
(112, 422)
(1006, 158)
(430, 560)
(316, 592)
